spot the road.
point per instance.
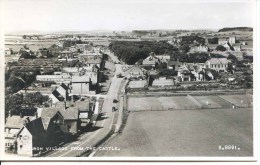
(103, 127)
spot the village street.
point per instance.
(102, 128)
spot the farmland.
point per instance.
(185, 133)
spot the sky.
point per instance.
(86, 15)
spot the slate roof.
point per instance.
(36, 128)
(84, 78)
(46, 114)
(218, 61)
(70, 113)
(16, 121)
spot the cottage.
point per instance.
(12, 126)
(218, 64)
(163, 57)
(236, 46)
(53, 124)
(174, 65)
(71, 119)
(60, 93)
(135, 72)
(8, 51)
(222, 41)
(183, 73)
(30, 136)
(150, 62)
(80, 85)
(200, 48)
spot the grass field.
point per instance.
(184, 102)
(238, 100)
(184, 133)
(160, 103)
(35, 47)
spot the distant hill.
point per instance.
(236, 28)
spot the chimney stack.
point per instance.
(65, 105)
(10, 113)
(21, 115)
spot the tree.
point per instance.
(221, 48)
(24, 36)
(232, 57)
(213, 40)
(185, 48)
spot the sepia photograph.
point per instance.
(126, 80)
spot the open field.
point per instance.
(35, 47)
(185, 133)
(239, 100)
(160, 103)
(184, 102)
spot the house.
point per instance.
(53, 124)
(12, 126)
(135, 72)
(30, 136)
(43, 52)
(81, 85)
(8, 51)
(212, 46)
(83, 47)
(174, 64)
(163, 57)
(200, 48)
(85, 113)
(218, 64)
(58, 79)
(196, 71)
(236, 46)
(71, 119)
(66, 55)
(183, 73)
(222, 41)
(232, 40)
(162, 82)
(150, 62)
(59, 94)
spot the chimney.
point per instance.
(65, 105)
(10, 113)
(21, 115)
(36, 115)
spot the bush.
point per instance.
(221, 48)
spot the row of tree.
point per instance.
(14, 103)
(131, 52)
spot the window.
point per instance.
(218, 65)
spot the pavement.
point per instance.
(102, 128)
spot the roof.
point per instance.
(57, 95)
(150, 60)
(85, 78)
(70, 113)
(35, 127)
(82, 105)
(48, 112)
(173, 63)
(218, 61)
(163, 82)
(16, 121)
(236, 44)
(222, 39)
(64, 86)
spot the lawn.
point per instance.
(185, 133)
